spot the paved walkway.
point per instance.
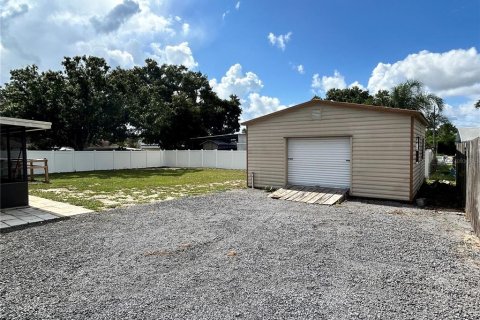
(40, 210)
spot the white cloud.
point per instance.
(180, 54)
(246, 86)
(66, 17)
(121, 31)
(115, 17)
(122, 58)
(224, 15)
(280, 41)
(236, 82)
(300, 69)
(452, 73)
(148, 22)
(186, 28)
(356, 84)
(320, 85)
(325, 83)
(463, 115)
(258, 105)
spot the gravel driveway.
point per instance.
(240, 254)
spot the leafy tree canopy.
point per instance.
(352, 95)
(88, 102)
(407, 95)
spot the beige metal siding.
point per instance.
(418, 167)
(380, 147)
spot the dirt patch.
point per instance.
(129, 197)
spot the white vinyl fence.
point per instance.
(428, 162)
(72, 161)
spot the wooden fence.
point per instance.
(468, 179)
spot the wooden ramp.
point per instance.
(317, 195)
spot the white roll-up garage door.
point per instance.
(321, 162)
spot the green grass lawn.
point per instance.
(443, 172)
(99, 190)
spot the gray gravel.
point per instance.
(240, 254)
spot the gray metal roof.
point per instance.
(465, 134)
(29, 125)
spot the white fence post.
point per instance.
(188, 163)
(176, 158)
(54, 157)
(216, 158)
(231, 158)
(94, 160)
(53, 161)
(73, 161)
(428, 162)
(202, 158)
(113, 159)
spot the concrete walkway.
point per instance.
(40, 210)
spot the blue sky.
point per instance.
(271, 54)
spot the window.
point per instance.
(417, 149)
(423, 148)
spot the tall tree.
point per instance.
(409, 95)
(382, 98)
(87, 102)
(37, 96)
(93, 109)
(167, 104)
(352, 95)
(433, 108)
(445, 138)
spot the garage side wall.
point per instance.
(380, 147)
(418, 167)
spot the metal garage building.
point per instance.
(374, 151)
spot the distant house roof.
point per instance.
(29, 125)
(220, 143)
(313, 102)
(465, 134)
(226, 136)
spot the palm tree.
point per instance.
(411, 95)
(433, 113)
